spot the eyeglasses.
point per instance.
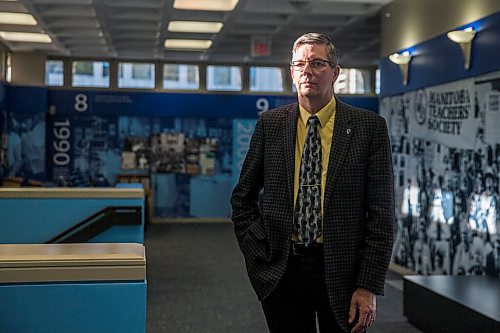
(317, 65)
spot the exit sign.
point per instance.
(261, 46)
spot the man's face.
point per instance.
(448, 183)
(478, 183)
(489, 184)
(312, 83)
(458, 204)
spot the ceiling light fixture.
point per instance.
(194, 26)
(188, 44)
(402, 60)
(464, 39)
(218, 5)
(25, 37)
(17, 19)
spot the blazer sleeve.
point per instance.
(380, 213)
(246, 214)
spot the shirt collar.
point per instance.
(323, 114)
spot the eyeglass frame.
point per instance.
(295, 67)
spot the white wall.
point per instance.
(28, 68)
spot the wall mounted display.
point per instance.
(191, 145)
(446, 158)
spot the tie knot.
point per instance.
(313, 120)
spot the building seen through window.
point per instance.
(90, 74)
(8, 68)
(54, 73)
(136, 75)
(181, 76)
(377, 81)
(350, 81)
(353, 81)
(266, 79)
(227, 78)
(86, 73)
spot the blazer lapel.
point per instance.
(342, 132)
(289, 136)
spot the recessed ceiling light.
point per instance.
(198, 44)
(194, 26)
(222, 5)
(17, 18)
(25, 37)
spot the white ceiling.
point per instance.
(137, 29)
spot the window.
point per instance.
(136, 75)
(142, 71)
(8, 71)
(193, 74)
(266, 79)
(179, 76)
(90, 74)
(54, 73)
(171, 72)
(226, 78)
(377, 81)
(353, 81)
(222, 76)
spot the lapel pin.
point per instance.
(348, 131)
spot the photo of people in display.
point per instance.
(448, 219)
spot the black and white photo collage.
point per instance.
(446, 159)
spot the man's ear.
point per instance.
(336, 73)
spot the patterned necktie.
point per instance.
(308, 205)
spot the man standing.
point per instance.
(313, 210)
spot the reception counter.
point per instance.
(89, 287)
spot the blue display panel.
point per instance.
(79, 137)
(148, 104)
(25, 132)
(87, 131)
(242, 134)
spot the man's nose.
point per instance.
(307, 69)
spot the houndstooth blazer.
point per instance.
(358, 203)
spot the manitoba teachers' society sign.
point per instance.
(446, 114)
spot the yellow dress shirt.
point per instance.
(326, 118)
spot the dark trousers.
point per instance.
(300, 298)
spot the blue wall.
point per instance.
(3, 96)
(439, 60)
(150, 104)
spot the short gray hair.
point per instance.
(317, 38)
